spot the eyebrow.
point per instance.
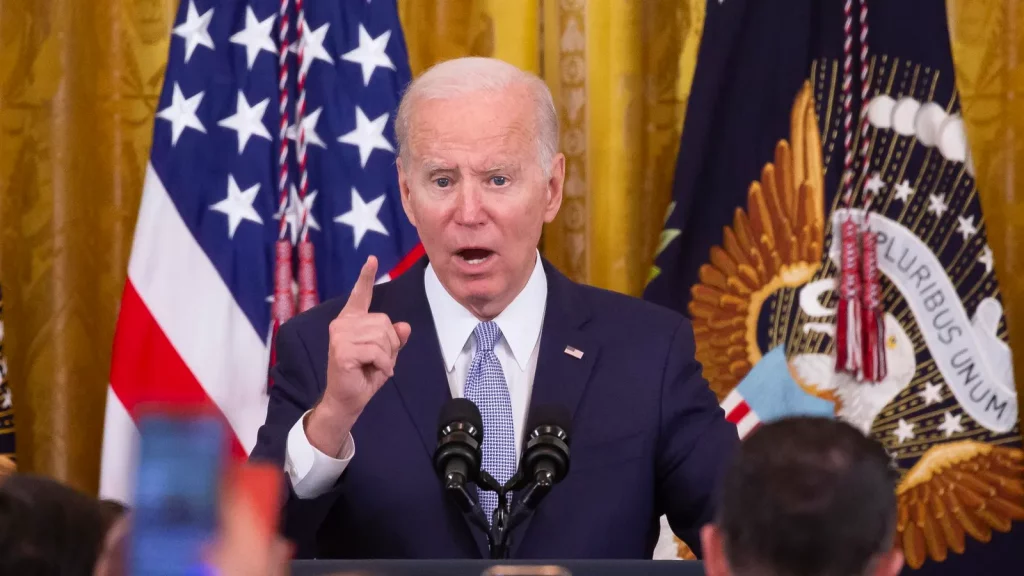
(434, 167)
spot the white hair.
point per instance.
(463, 76)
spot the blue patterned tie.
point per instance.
(486, 387)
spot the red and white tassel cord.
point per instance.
(873, 367)
(848, 333)
(848, 318)
(284, 300)
(307, 266)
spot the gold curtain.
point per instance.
(988, 53)
(79, 83)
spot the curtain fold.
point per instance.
(79, 83)
(621, 73)
(987, 37)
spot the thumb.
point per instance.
(403, 329)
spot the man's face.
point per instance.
(473, 186)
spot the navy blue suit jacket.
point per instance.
(648, 436)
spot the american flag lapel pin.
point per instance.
(577, 354)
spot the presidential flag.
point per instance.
(793, 103)
(271, 180)
(6, 404)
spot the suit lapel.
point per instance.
(419, 371)
(561, 376)
(420, 377)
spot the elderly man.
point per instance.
(360, 380)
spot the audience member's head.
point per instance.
(805, 497)
(47, 528)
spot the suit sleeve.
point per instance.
(695, 442)
(295, 390)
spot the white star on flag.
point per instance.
(367, 136)
(362, 217)
(951, 424)
(904, 431)
(371, 53)
(932, 393)
(195, 29)
(247, 121)
(937, 205)
(313, 43)
(309, 123)
(238, 205)
(986, 258)
(256, 36)
(966, 227)
(874, 184)
(294, 210)
(182, 114)
(904, 191)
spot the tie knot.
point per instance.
(487, 334)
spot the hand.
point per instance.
(361, 357)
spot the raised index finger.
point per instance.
(362, 292)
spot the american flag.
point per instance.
(197, 315)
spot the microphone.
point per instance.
(459, 437)
(545, 463)
(458, 454)
(546, 456)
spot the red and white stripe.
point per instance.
(739, 413)
(181, 338)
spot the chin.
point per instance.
(478, 290)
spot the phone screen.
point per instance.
(181, 463)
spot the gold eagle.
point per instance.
(954, 489)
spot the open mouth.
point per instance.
(474, 256)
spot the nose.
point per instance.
(469, 210)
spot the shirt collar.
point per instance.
(520, 322)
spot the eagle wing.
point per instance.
(775, 243)
(958, 489)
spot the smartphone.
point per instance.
(183, 453)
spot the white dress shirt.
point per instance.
(312, 472)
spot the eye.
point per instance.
(443, 182)
(890, 342)
(499, 180)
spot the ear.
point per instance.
(713, 545)
(112, 557)
(890, 563)
(403, 187)
(556, 183)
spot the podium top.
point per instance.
(495, 568)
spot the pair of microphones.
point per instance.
(544, 463)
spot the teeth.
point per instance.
(476, 261)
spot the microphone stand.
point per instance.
(456, 488)
(503, 521)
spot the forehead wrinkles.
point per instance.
(493, 126)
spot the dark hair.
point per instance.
(48, 529)
(807, 496)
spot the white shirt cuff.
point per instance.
(312, 472)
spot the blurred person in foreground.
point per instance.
(360, 379)
(48, 529)
(805, 497)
